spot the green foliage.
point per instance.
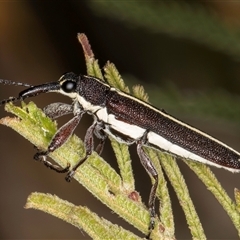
(114, 190)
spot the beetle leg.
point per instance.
(95, 128)
(60, 137)
(56, 110)
(149, 167)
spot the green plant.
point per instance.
(114, 190)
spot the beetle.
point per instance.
(128, 120)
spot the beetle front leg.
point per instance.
(61, 136)
(56, 110)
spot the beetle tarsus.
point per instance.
(42, 157)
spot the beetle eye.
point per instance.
(69, 86)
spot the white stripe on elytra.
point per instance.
(174, 119)
(174, 149)
(154, 139)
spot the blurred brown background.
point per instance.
(187, 55)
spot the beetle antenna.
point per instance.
(12, 99)
(8, 82)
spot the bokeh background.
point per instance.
(185, 53)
